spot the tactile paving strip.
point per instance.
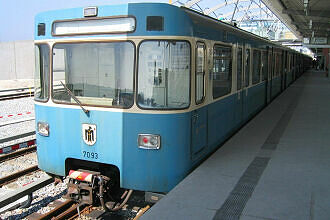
(236, 201)
(277, 132)
(234, 205)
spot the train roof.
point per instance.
(178, 21)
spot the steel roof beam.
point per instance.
(250, 15)
(245, 9)
(315, 29)
(314, 13)
(317, 45)
(318, 32)
(315, 24)
(276, 6)
(191, 3)
(210, 10)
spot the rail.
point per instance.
(17, 89)
(16, 93)
(25, 190)
(63, 210)
(28, 148)
(17, 137)
(12, 177)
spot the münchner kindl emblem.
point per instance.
(89, 133)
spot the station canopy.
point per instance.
(296, 23)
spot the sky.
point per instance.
(17, 16)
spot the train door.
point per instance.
(282, 72)
(199, 116)
(285, 69)
(265, 70)
(270, 70)
(239, 85)
(246, 81)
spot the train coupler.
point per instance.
(83, 186)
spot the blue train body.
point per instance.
(188, 135)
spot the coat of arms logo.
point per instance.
(89, 134)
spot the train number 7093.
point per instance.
(90, 155)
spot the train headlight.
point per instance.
(43, 128)
(149, 141)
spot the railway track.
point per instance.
(16, 96)
(16, 93)
(14, 176)
(29, 147)
(26, 190)
(12, 122)
(61, 209)
(68, 209)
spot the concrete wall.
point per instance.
(16, 60)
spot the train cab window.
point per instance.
(264, 65)
(164, 74)
(256, 67)
(247, 67)
(222, 66)
(239, 68)
(98, 74)
(41, 83)
(200, 72)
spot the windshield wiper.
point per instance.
(74, 98)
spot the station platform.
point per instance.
(276, 167)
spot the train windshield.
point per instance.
(98, 74)
(164, 75)
(41, 82)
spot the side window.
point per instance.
(221, 71)
(164, 74)
(41, 78)
(264, 65)
(247, 67)
(256, 67)
(239, 68)
(200, 72)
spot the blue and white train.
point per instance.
(137, 95)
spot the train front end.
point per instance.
(113, 95)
